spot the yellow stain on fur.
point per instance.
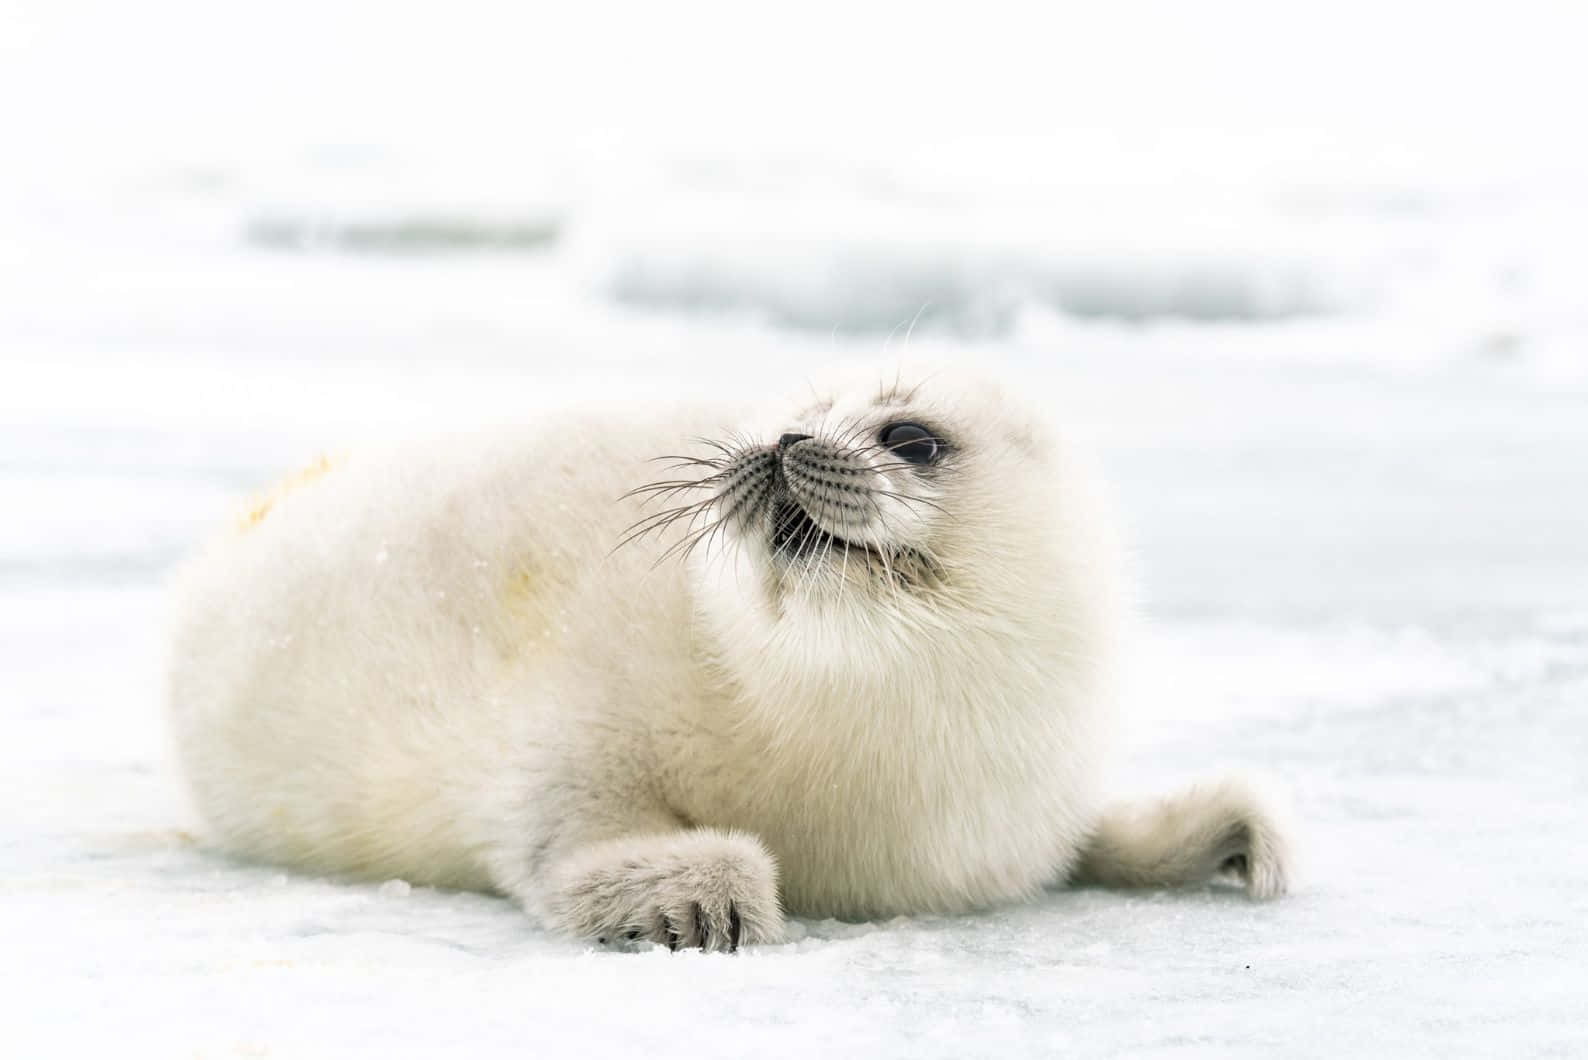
(267, 500)
(532, 597)
(521, 586)
(522, 597)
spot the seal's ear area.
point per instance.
(1228, 828)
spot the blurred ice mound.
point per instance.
(962, 284)
(415, 234)
(1069, 226)
(375, 201)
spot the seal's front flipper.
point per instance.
(692, 889)
(1226, 828)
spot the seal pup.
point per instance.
(848, 657)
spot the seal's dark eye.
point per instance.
(911, 441)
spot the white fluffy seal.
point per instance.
(850, 657)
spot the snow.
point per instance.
(1321, 319)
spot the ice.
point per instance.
(1313, 292)
(1384, 613)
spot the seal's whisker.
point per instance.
(652, 494)
(826, 556)
(712, 443)
(813, 533)
(941, 471)
(713, 468)
(687, 543)
(843, 572)
(668, 493)
(657, 518)
(908, 499)
(866, 451)
(707, 539)
(690, 461)
(891, 574)
(813, 561)
(658, 521)
(747, 504)
(858, 427)
(666, 486)
(911, 331)
(670, 489)
(696, 536)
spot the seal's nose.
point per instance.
(789, 439)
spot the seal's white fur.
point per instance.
(432, 664)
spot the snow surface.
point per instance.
(1320, 312)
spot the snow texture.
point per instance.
(1329, 343)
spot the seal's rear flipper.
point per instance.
(1213, 829)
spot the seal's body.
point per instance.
(853, 659)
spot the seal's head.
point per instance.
(899, 516)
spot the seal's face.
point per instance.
(856, 491)
(922, 489)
